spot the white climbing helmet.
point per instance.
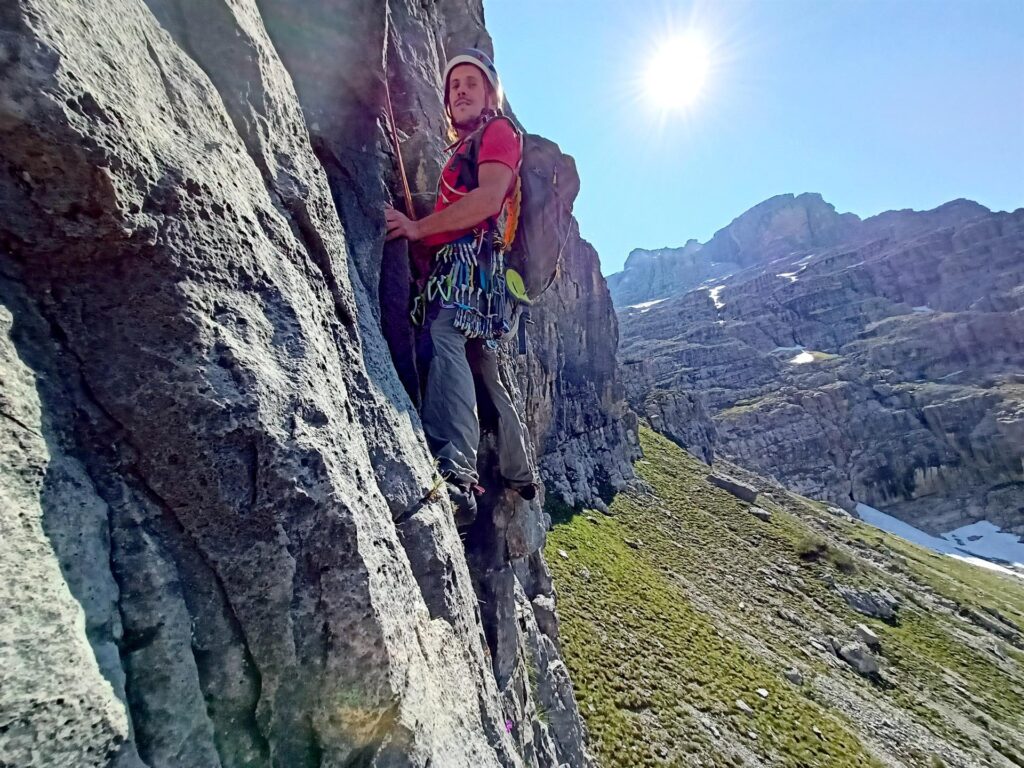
(481, 61)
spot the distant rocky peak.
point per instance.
(776, 227)
(641, 257)
(787, 225)
(805, 200)
(641, 254)
(906, 223)
(779, 226)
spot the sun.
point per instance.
(677, 72)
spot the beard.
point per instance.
(472, 123)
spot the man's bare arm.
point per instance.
(468, 211)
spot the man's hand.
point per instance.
(400, 225)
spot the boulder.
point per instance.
(868, 637)
(878, 603)
(740, 490)
(859, 657)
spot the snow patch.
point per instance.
(923, 308)
(979, 543)
(710, 282)
(986, 564)
(803, 357)
(791, 276)
(645, 305)
(988, 541)
(715, 293)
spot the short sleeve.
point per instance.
(500, 144)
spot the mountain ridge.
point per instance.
(741, 243)
(883, 369)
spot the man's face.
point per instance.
(468, 93)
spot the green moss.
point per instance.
(742, 407)
(645, 661)
(670, 613)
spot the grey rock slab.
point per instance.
(868, 636)
(217, 328)
(546, 615)
(877, 603)
(740, 490)
(56, 706)
(860, 658)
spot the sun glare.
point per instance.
(677, 72)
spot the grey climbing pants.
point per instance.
(450, 418)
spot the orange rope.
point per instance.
(409, 210)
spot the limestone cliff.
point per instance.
(221, 544)
(876, 361)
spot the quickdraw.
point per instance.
(469, 277)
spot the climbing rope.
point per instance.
(409, 210)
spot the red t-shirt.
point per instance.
(499, 144)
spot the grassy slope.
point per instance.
(681, 602)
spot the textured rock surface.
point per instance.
(859, 657)
(680, 416)
(876, 361)
(585, 433)
(210, 427)
(651, 275)
(57, 707)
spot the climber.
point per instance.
(464, 307)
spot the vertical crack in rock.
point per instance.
(206, 639)
(56, 692)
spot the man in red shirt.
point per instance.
(467, 307)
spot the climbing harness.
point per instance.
(469, 277)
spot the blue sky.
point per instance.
(875, 104)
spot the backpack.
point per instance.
(534, 226)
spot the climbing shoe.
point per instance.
(465, 503)
(528, 491)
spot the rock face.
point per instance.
(585, 432)
(58, 697)
(680, 416)
(649, 275)
(875, 361)
(769, 230)
(207, 441)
